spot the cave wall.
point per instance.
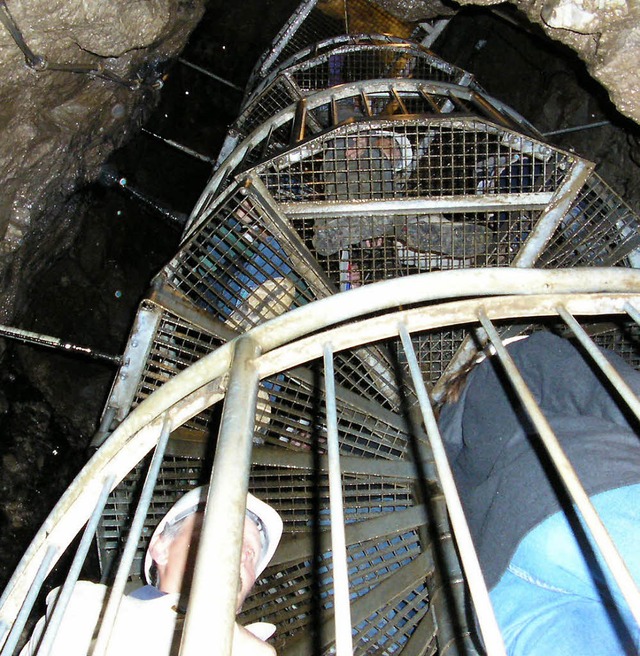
(59, 126)
(605, 34)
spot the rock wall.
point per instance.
(58, 126)
(604, 33)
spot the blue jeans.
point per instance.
(555, 601)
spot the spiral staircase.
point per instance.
(375, 218)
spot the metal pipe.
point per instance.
(64, 596)
(342, 610)
(558, 206)
(577, 128)
(30, 598)
(299, 123)
(212, 602)
(137, 524)
(285, 35)
(28, 337)
(180, 147)
(463, 203)
(40, 63)
(213, 76)
(33, 61)
(101, 72)
(632, 312)
(104, 430)
(567, 474)
(109, 176)
(477, 586)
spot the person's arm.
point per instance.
(246, 644)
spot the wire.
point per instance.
(39, 63)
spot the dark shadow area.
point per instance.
(549, 85)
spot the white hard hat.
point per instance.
(267, 520)
(404, 160)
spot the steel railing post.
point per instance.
(212, 602)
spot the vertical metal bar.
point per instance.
(457, 103)
(212, 603)
(333, 106)
(299, 123)
(366, 103)
(632, 311)
(74, 571)
(490, 110)
(342, 608)
(434, 106)
(399, 100)
(264, 149)
(477, 586)
(527, 256)
(105, 427)
(129, 552)
(598, 357)
(32, 595)
(568, 475)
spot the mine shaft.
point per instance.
(376, 224)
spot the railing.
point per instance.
(480, 299)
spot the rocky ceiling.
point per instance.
(75, 258)
(604, 33)
(74, 92)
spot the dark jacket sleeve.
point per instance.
(506, 483)
(489, 418)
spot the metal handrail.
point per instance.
(283, 342)
(233, 163)
(344, 41)
(407, 291)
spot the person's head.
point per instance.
(170, 558)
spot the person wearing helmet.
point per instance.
(151, 618)
(170, 558)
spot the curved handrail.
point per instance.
(342, 41)
(232, 164)
(201, 385)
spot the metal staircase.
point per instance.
(357, 159)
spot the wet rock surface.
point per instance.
(50, 401)
(82, 257)
(58, 126)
